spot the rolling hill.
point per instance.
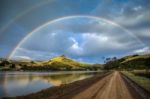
(136, 61)
(57, 63)
(135, 57)
(63, 62)
(130, 62)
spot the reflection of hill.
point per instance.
(54, 79)
(64, 78)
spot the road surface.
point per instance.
(112, 86)
(109, 86)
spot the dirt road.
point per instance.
(112, 86)
(109, 86)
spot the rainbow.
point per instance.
(23, 14)
(70, 17)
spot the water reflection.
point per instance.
(22, 83)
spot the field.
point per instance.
(142, 81)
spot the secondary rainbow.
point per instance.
(23, 13)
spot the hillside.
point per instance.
(63, 62)
(135, 57)
(130, 62)
(57, 63)
(137, 62)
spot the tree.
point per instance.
(111, 63)
(4, 63)
(12, 66)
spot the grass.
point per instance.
(57, 63)
(144, 73)
(65, 62)
(142, 81)
(130, 58)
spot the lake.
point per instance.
(22, 83)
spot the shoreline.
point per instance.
(50, 72)
(62, 89)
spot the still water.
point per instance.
(22, 83)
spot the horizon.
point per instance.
(104, 59)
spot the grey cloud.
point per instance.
(56, 41)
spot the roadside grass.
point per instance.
(130, 58)
(144, 73)
(142, 81)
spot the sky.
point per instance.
(85, 30)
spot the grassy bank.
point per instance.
(144, 73)
(143, 81)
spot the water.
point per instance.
(22, 83)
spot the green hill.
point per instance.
(135, 57)
(62, 62)
(136, 62)
(57, 63)
(130, 62)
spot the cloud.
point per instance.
(102, 42)
(75, 48)
(22, 58)
(142, 50)
(133, 15)
(136, 18)
(52, 42)
(34, 54)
